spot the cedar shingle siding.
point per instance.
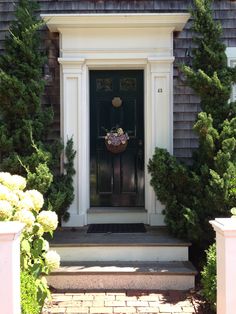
(186, 104)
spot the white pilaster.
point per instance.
(225, 229)
(74, 115)
(10, 267)
(159, 124)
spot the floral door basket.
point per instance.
(116, 140)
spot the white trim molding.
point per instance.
(176, 21)
(116, 41)
(231, 55)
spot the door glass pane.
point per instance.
(104, 84)
(128, 84)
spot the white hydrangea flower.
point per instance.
(20, 194)
(37, 199)
(4, 192)
(19, 183)
(13, 182)
(48, 220)
(13, 199)
(5, 177)
(26, 203)
(52, 260)
(25, 216)
(46, 245)
(5, 210)
(8, 195)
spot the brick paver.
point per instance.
(168, 302)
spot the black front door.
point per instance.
(116, 101)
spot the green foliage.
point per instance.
(61, 192)
(21, 80)
(179, 189)
(194, 194)
(24, 122)
(29, 303)
(33, 261)
(209, 277)
(210, 77)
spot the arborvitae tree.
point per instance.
(193, 195)
(24, 121)
(21, 88)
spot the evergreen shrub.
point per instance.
(195, 194)
(24, 121)
(209, 276)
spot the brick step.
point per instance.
(123, 276)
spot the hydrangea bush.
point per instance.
(18, 204)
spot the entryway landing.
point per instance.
(155, 236)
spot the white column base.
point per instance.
(156, 219)
(75, 220)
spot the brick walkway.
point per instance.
(170, 302)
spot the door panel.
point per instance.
(104, 168)
(128, 175)
(116, 179)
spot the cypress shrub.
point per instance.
(24, 122)
(194, 194)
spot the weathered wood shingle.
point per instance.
(186, 104)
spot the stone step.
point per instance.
(123, 276)
(155, 245)
(122, 253)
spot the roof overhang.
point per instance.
(176, 21)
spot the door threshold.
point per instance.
(100, 210)
(117, 215)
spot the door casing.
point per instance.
(157, 131)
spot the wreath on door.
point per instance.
(116, 140)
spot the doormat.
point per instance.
(116, 228)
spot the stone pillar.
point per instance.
(226, 264)
(10, 267)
